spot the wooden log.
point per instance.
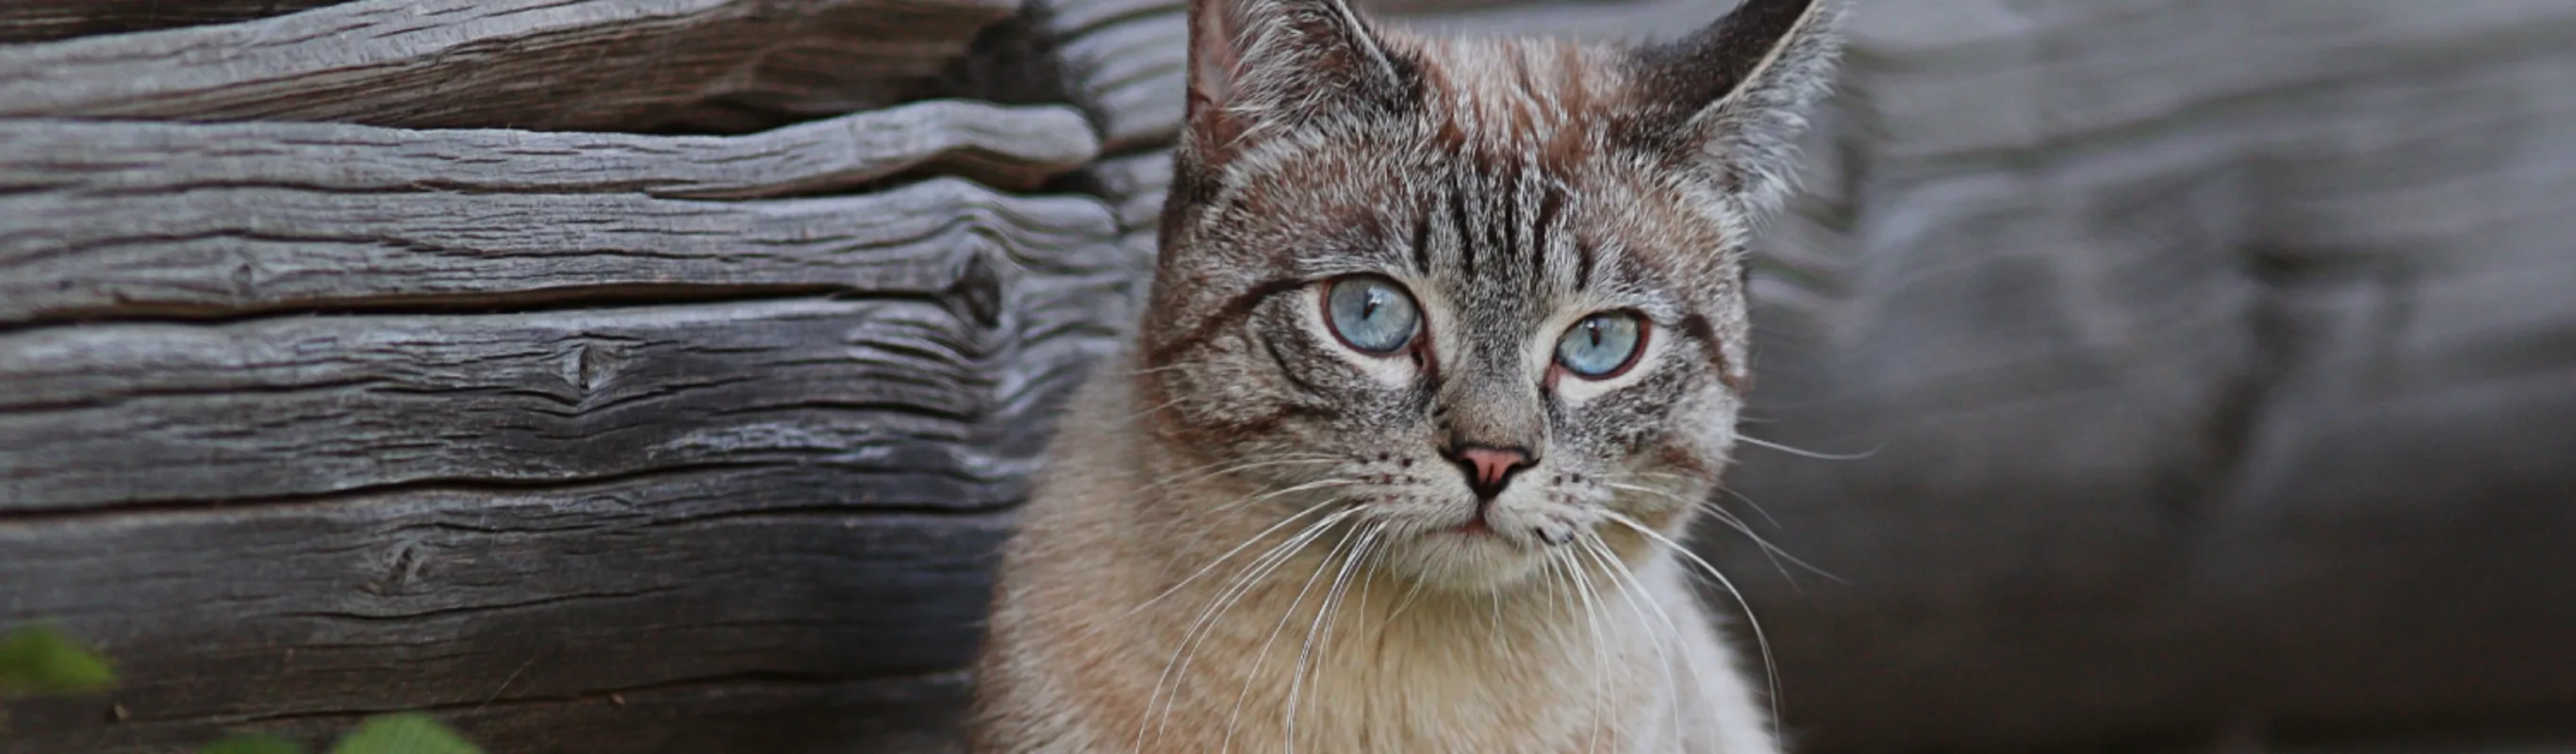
(149, 241)
(44, 20)
(1134, 186)
(579, 441)
(2207, 358)
(127, 220)
(299, 406)
(789, 606)
(614, 65)
(1003, 147)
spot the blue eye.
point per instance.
(1602, 345)
(1371, 314)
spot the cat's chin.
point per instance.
(1464, 560)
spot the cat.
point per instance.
(1443, 351)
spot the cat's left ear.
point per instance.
(1267, 66)
(1728, 102)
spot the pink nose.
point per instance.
(1489, 469)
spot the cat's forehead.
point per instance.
(1503, 181)
(1549, 98)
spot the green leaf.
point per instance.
(404, 733)
(251, 743)
(42, 660)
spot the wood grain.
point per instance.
(777, 607)
(2207, 359)
(612, 65)
(580, 441)
(133, 219)
(299, 406)
(1002, 147)
(44, 20)
(1134, 185)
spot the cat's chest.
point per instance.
(1374, 689)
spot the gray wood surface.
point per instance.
(581, 441)
(756, 607)
(42, 20)
(127, 219)
(1002, 147)
(621, 65)
(1120, 60)
(2218, 362)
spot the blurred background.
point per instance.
(658, 375)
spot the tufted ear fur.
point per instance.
(1258, 68)
(1727, 103)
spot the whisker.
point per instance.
(1192, 475)
(1290, 612)
(1635, 589)
(1212, 564)
(1592, 611)
(1757, 507)
(1770, 666)
(1309, 486)
(1234, 591)
(1407, 601)
(1324, 620)
(1769, 551)
(1762, 443)
(1152, 370)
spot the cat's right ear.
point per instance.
(1261, 67)
(1727, 103)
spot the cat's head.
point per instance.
(1485, 296)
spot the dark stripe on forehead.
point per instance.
(1551, 200)
(1507, 195)
(1458, 217)
(1422, 239)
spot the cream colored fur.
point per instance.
(1074, 665)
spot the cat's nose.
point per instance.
(1488, 469)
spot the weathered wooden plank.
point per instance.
(1128, 74)
(2210, 380)
(763, 599)
(43, 20)
(1134, 186)
(297, 406)
(618, 65)
(1004, 147)
(2141, 65)
(910, 715)
(215, 248)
